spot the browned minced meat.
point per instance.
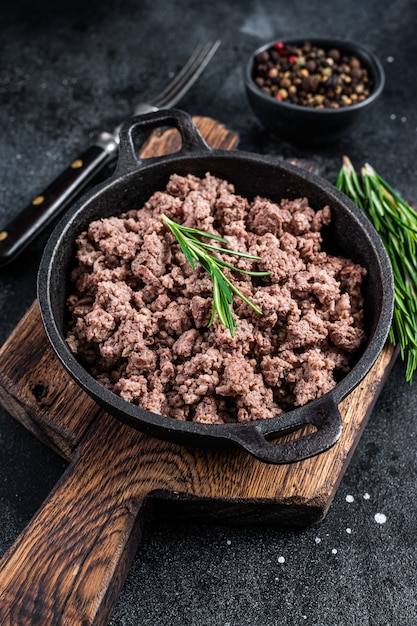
(139, 312)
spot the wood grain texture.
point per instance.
(68, 565)
(37, 391)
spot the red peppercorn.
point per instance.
(303, 75)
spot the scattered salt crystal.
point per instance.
(366, 496)
(334, 551)
(403, 119)
(349, 531)
(390, 59)
(350, 499)
(317, 540)
(229, 543)
(380, 518)
(281, 559)
(393, 116)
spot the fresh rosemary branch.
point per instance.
(196, 250)
(396, 222)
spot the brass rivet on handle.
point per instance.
(77, 164)
(38, 200)
(3, 235)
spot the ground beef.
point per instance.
(138, 315)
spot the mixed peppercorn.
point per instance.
(310, 76)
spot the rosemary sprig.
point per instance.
(223, 289)
(396, 222)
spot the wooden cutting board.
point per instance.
(69, 564)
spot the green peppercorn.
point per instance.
(307, 75)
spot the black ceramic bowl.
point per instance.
(349, 234)
(306, 125)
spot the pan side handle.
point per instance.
(69, 564)
(133, 133)
(323, 414)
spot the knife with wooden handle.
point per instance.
(56, 197)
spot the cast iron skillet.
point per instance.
(134, 180)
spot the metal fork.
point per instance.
(183, 81)
(68, 185)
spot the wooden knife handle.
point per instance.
(55, 198)
(70, 562)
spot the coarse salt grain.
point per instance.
(380, 518)
(281, 559)
(350, 499)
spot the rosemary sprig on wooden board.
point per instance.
(196, 250)
(396, 222)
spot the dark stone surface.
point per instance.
(71, 69)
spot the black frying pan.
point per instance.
(350, 234)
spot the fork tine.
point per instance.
(198, 50)
(187, 76)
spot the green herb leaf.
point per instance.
(396, 222)
(223, 288)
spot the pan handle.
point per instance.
(324, 414)
(133, 132)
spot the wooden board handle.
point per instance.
(69, 564)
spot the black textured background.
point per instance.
(71, 69)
